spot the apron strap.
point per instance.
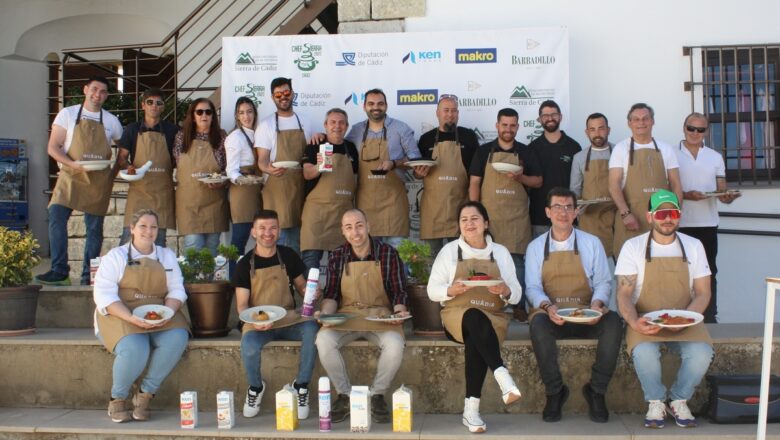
(648, 258)
(276, 119)
(78, 115)
(384, 132)
(436, 141)
(460, 255)
(631, 150)
(547, 244)
(251, 143)
(131, 262)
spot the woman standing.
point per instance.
(199, 150)
(473, 315)
(125, 272)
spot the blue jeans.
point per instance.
(160, 241)
(200, 241)
(695, 359)
(436, 244)
(239, 235)
(291, 237)
(58, 240)
(519, 260)
(311, 258)
(252, 344)
(160, 350)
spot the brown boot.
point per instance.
(520, 314)
(141, 403)
(119, 411)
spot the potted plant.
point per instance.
(208, 299)
(426, 314)
(18, 300)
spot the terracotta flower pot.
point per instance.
(17, 310)
(209, 306)
(426, 314)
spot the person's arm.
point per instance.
(530, 181)
(299, 283)
(395, 280)
(616, 192)
(534, 290)
(674, 182)
(475, 187)
(409, 146)
(602, 278)
(56, 147)
(242, 299)
(577, 174)
(174, 279)
(332, 292)
(233, 158)
(441, 277)
(506, 267)
(122, 158)
(311, 162)
(264, 163)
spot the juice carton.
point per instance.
(93, 267)
(188, 405)
(402, 410)
(226, 417)
(287, 409)
(326, 152)
(360, 409)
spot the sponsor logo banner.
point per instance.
(418, 97)
(476, 56)
(421, 57)
(246, 62)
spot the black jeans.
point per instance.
(482, 350)
(708, 236)
(544, 334)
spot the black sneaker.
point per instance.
(52, 278)
(597, 406)
(553, 408)
(340, 409)
(379, 411)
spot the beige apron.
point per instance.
(666, 286)
(271, 287)
(382, 197)
(598, 219)
(507, 203)
(199, 209)
(245, 200)
(445, 189)
(333, 195)
(563, 278)
(363, 294)
(144, 282)
(475, 298)
(646, 174)
(89, 192)
(155, 190)
(284, 194)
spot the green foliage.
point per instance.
(418, 257)
(123, 105)
(199, 265)
(17, 257)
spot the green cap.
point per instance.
(663, 196)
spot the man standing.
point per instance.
(365, 278)
(555, 151)
(81, 132)
(263, 277)
(445, 185)
(702, 170)
(590, 180)
(658, 270)
(568, 268)
(504, 193)
(281, 137)
(384, 144)
(638, 167)
(150, 140)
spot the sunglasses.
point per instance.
(154, 102)
(691, 128)
(662, 214)
(283, 94)
(201, 111)
(448, 96)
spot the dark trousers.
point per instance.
(708, 236)
(545, 333)
(482, 350)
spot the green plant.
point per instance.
(17, 257)
(417, 256)
(199, 265)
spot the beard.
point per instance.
(598, 141)
(551, 126)
(665, 229)
(449, 127)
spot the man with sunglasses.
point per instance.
(702, 170)
(150, 139)
(567, 268)
(662, 270)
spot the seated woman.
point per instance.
(129, 276)
(474, 315)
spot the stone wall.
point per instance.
(377, 16)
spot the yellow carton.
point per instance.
(402, 410)
(286, 409)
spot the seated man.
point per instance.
(263, 277)
(566, 267)
(663, 269)
(365, 278)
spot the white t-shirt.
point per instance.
(700, 174)
(66, 119)
(632, 259)
(238, 153)
(265, 135)
(620, 159)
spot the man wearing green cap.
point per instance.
(663, 269)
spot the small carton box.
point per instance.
(402, 410)
(221, 268)
(326, 152)
(226, 417)
(360, 409)
(287, 409)
(188, 405)
(93, 268)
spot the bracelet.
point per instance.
(545, 306)
(625, 213)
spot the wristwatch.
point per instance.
(625, 213)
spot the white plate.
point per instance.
(290, 164)
(94, 165)
(685, 313)
(256, 180)
(590, 315)
(718, 194)
(210, 179)
(420, 163)
(275, 313)
(481, 283)
(165, 311)
(392, 318)
(131, 177)
(502, 167)
(594, 201)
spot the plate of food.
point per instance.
(722, 193)
(480, 279)
(94, 165)
(289, 164)
(387, 318)
(153, 313)
(254, 179)
(214, 178)
(420, 163)
(131, 174)
(578, 315)
(262, 314)
(334, 318)
(674, 318)
(503, 167)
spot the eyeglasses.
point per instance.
(448, 96)
(283, 93)
(154, 102)
(691, 129)
(662, 214)
(549, 116)
(201, 111)
(563, 208)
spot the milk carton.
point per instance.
(326, 152)
(226, 417)
(188, 405)
(93, 267)
(360, 409)
(221, 269)
(287, 409)
(402, 410)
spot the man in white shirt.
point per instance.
(702, 170)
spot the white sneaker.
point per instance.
(656, 413)
(682, 414)
(471, 418)
(509, 391)
(252, 402)
(303, 403)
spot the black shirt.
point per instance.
(466, 136)
(292, 264)
(527, 158)
(130, 136)
(555, 160)
(310, 156)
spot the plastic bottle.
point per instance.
(311, 291)
(324, 403)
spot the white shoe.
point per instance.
(656, 413)
(471, 418)
(509, 391)
(682, 414)
(303, 403)
(252, 402)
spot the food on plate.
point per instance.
(260, 316)
(667, 319)
(215, 175)
(153, 316)
(478, 276)
(130, 171)
(578, 313)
